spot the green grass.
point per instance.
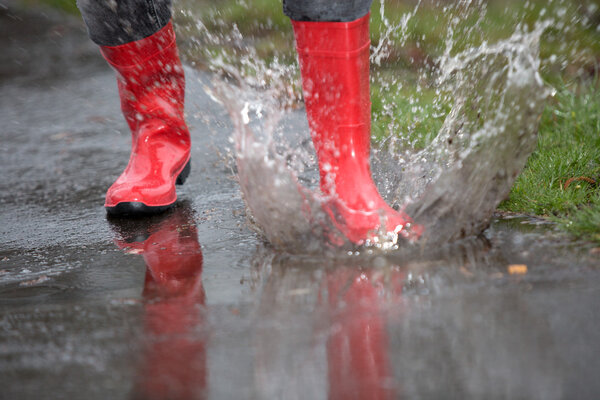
(68, 6)
(416, 116)
(568, 149)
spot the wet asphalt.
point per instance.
(193, 304)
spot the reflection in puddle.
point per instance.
(174, 361)
(452, 323)
(357, 348)
(442, 327)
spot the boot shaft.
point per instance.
(150, 78)
(334, 63)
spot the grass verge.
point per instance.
(68, 6)
(561, 180)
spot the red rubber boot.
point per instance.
(334, 64)
(151, 86)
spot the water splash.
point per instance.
(498, 97)
(489, 96)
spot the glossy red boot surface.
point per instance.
(151, 87)
(334, 64)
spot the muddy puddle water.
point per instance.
(196, 304)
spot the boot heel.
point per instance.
(184, 173)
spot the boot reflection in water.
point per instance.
(338, 315)
(174, 361)
(357, 349)
(332, 41)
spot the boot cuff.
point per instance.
(332, 39)
(135, 53)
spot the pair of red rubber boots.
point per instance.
(334, 63)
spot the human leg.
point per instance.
(334, 64)
(137, 39)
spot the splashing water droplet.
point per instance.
(479, 100)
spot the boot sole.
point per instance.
(134, 208)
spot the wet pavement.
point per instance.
(193, 304)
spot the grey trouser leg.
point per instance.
(115, 22)
(326, 10)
